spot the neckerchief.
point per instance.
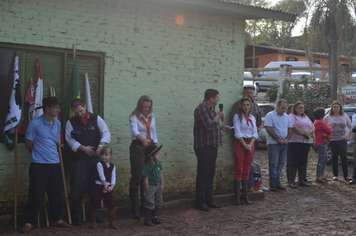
(147, 124)
(248, 120)
(86, 118)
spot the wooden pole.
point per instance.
(64, 182)
(73, 52)
(62, 167)
(16, 180)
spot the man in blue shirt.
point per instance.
(279, 130)
(42, 137)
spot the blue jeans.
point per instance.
(276, 157)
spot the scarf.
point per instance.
(147, 124)
(248, 120)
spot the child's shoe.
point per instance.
(93, 219)
(148, 217)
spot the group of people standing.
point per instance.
(93, 175)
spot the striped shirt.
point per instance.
(206, 130)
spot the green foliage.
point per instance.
(312, 95)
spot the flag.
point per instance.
(39, 92)
(73, 91)
(30, 98)
(58, 117)
(87, 94)
(13, 118)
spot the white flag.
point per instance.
(87, 94)
(15, 104)
(39, 91)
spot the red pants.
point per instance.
(243, 160)
(98, 195)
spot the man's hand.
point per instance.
(89, 150)
(285, 141)
(225, 127)
(280, 141)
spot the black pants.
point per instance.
(137, 159)
(44, 177)
(299, 152)
(82, 178)
(206, 157)
(339, 148)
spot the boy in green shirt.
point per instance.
(153, 185)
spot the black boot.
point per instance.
(293, 172)
(155, 219)
(148, 216)
(134, 202)
(77, 213)
(237, 188)
(244, 192)
(301, 173)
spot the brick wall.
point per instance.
(146, 53)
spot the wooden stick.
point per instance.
(64, 181)
(73, 53)
(83, 204)
(46, 210)
(16, 180)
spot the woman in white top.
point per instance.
(143, 134)
(245, 136)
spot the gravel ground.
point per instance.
(322, 209)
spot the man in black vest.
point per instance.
(86, 134)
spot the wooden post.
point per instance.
(16, 180)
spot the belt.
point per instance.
(247, 139)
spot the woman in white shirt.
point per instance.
(245, 136)
(143, 134)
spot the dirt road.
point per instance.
(322, 209)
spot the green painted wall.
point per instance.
(146, 53)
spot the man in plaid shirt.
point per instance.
(207, 139)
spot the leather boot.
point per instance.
(244, 192)
(77, 213)
(237, 188)
(148, 216)
(155, 219)
(112, 223)
(293, 172)
(301, 173)
(93, 219)
(134, 202)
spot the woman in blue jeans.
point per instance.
(340, 136)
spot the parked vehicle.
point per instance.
(264, 108)
(264, 85)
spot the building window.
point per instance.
(249, 63)
(292, 59)
(56, 65)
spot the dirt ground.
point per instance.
(322, 209)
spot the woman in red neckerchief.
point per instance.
(245, 136)
(143, 134)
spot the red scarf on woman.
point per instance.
(248, 120)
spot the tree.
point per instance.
(330, 22)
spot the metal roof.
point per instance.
(226, 8)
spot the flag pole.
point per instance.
(73, 52)
(63, 176)
(16, 180)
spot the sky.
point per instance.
(298, 29)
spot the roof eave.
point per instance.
(224, 8)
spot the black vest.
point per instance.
(89, 134)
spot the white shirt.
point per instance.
(74, 144)
(242, 130)
(100, 169)
(138, 128)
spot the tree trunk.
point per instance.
(334, 61)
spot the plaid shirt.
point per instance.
(206, 129)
